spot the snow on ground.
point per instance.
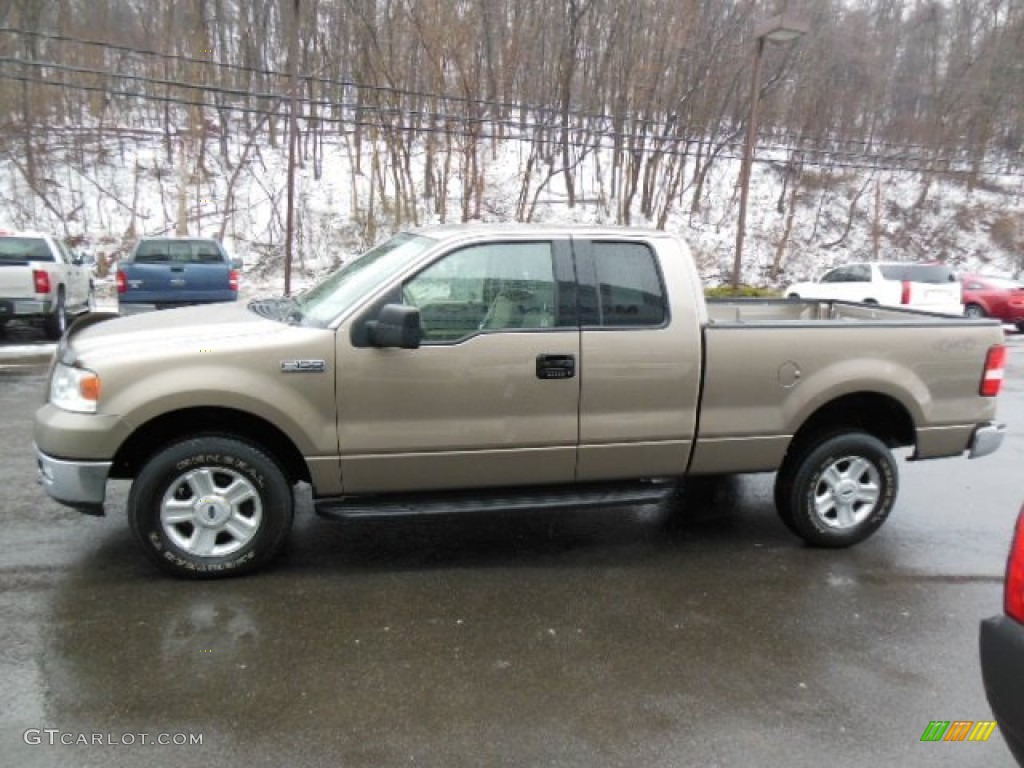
(129, 188)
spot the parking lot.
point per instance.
(698, 634)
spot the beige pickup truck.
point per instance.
(481, 368)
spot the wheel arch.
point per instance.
(875, 413)
(172, 426)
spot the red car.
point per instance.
(994, 297)
(1001, 644)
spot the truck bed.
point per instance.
(787, 311)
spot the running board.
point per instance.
(493, 500)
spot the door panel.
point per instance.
(640, 363)
(467, 415)
(472, 407)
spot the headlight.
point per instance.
(74, 389)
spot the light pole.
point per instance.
(777, 29)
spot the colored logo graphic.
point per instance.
(958, 730)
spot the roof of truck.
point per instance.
(454, 231)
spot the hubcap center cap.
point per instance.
(846, 490)
(212, 511)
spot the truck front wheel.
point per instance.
(837, 490)
(209, 507)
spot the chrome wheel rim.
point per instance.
(211, 512)
(847, 492)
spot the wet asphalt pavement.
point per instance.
(631, 637)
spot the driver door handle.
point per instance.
(556, 366)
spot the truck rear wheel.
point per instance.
(57, 321)
(837, 490)
(210, 507)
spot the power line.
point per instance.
(452, 121)
(382, 89)
(659, 141)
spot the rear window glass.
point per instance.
(19, 250)
(178, 252)
(918, 273)
(629, 287)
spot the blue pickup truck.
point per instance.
(176, 271)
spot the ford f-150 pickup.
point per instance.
(477, 368)
(162, 272)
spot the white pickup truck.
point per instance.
(41, 280)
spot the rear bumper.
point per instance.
(986, 439)
(1001, 647)
(24, 308)
(171, 299)
(81, 485)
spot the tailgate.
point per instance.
(176, 282)
(16, 281)
(925, 295)
(18, 257)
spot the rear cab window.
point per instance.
(178, 252)
(621, 286)
(22, 250)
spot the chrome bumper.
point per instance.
(81, 485)
(986, 439)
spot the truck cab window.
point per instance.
(481, 288)
(629, 287)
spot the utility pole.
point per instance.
(778, 29)
(293, 143)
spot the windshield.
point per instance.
(341, 289)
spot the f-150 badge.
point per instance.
(303, 366)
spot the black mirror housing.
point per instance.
(397, 325)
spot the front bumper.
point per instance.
(986, 439)
(81, 485)
(1001, 647)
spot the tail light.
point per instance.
(122, 283)
(40, 281)
(1013, 589)
(233, 280)
(992, 377)
(905, 292)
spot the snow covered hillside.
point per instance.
(105, 193)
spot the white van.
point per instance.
(928, 287)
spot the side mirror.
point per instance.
(397, 325)
(77, 260)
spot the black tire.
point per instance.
(793, 296)
(871, 301)
(57, 321)
(1020, 326)
(838, 489)
(186, 482)
(974, 310)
